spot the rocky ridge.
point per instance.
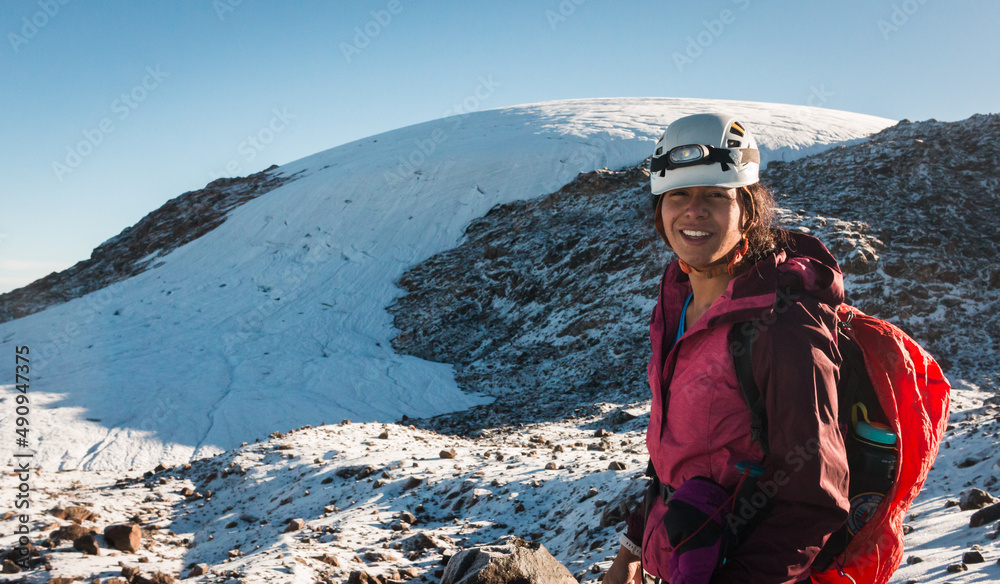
(929, 193)
(136, 249)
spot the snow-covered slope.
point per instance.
(276, 318)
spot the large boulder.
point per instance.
(509, 560)
(126, 537)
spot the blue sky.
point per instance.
(169, 95)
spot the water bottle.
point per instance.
(872, 456)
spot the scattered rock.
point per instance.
(361, 577)
(424, 541)
(976, 499)
(87, 544)
(69, 532)
(951, 503)
(328, 559)
(409, 573)
(615, 465)
(956, 568)
(985, 515)
(973, 557)
(907, 529)
(76, 514)
(156, 578)
(9, 567)
(198, 570)
(375, 556)
(384, 435)
(448, 453)
(968, 461)
(509, 560)
(295, 525)
(591, 493)
(914, 560)
(407, 517)
(124, 537)
(623, 416)
(614, 513)
(411, 483)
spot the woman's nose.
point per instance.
(696, 207)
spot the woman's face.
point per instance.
(701, 223)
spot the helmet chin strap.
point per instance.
(713, 269)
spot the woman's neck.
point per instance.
(705, 287)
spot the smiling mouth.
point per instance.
(694, 234)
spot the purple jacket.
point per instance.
(700, 424)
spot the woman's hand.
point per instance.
(624, 570)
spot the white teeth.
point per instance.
(695, 233)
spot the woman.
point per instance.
(733, 268)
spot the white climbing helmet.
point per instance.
(704, 150)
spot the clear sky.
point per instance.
(112, 107)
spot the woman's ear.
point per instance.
(658, 220)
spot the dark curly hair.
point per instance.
(758, 218)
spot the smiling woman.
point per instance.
(706, 454)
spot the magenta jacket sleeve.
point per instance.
(796, 364)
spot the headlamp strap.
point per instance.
(723, 156)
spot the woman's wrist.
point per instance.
(629, 546)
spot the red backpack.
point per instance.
(909, 395)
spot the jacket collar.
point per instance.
(801, 265)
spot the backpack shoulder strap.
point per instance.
(741, 346)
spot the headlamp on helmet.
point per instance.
(704, 150)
